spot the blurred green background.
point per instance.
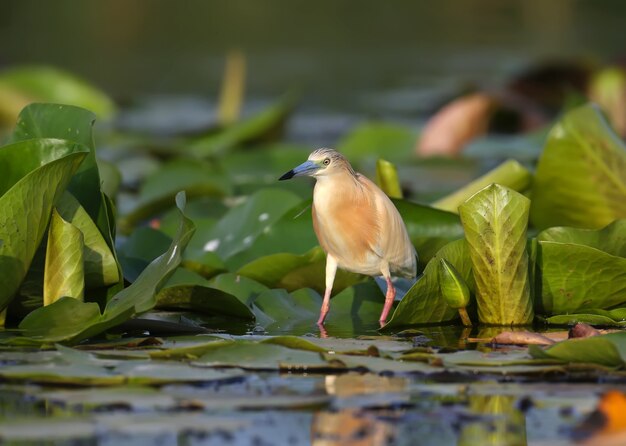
(361, 56)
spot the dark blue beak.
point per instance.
(306, 168)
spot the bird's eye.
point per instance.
(327, 161)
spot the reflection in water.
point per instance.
(500, 423)
(349, 427)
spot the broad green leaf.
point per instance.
(581, 175)
(73, 124)
(577, 277)
(424, 303)
(510, 174)
(240, 227)
(375, 139)
(292, 233)
(495, 221)
(387, 178)
(606, 350)
(610, 239)
(36, 174)
(202, 298)
(111, 178)
(292, 271)
(246, 130)
(258, 356)
(430, 229)
(157, 193)
(68, 320)
(47, 84)
(101, 267)
(64, 272)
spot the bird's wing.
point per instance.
(393, 243)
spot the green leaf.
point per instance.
(577, 277)
(581, 175)
(606, 350)
(424, 303)
(292, 272)
(202, 298)
(142, 247)
(387, 178)
(73, 124)
(292, 233)
(610, 239)
(71, 321)
(430, 229)
(378, 139)
(591, 319)
(495, 221)
(240, 227)
(249, 129)
(64, 271)
(510, 174)
(35, 174)
(196, 178)
(47, 84)
(259, 356)
(101, 267)
(453, 288)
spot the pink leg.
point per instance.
(389, 298)
(331, 269)
(325, 306)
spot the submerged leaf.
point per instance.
(581, 175)
(64, 272)
(495, 221)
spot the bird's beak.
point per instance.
(306, 168)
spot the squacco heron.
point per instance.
(356, 224)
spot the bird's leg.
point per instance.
(389, 298)
(331, 269)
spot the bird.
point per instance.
(356, 224)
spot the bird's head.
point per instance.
(321, 162)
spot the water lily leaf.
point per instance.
(423, 303)
(239, 228)
(71, 321)
(110, 176)
(610, 239)
(37, 172)
(292, 233)
(202, 298)
(509, 174)
(577, 277)
(196, 178)
(379, 365)
(246, 130)
(581, 175)
(292, 272)
(100, 267)
(47, 84)
(606, 350)
(142, 247)
(377, 140)
(259, 356)
(495, 221)
(72, 124)
(591, 319)
(430, 229)
(64, 272)
(246, 290)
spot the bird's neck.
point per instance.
(329, 188)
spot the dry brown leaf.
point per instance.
(456, 124)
